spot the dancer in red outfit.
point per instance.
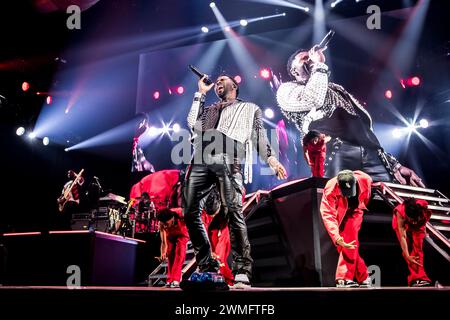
(344, 199)
(314, 150)
(409, 222)
(174, 239)
(219, 236)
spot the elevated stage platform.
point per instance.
(291, 247)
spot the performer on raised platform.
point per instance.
(139, 162)
(409, 223)
(223, 134)
(343, 203)
(174, 239)
(314, 103)
(314, 149)
(69, 200)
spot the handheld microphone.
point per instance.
(324, 43)
(321, 46)
(207, 81)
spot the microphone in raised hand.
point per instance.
(200, 74)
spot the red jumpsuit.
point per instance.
(177, 238)
(340, 221)
(219, 237)
(414, 238)
(315, 156)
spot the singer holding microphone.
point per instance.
(223, 135)
(312, 102)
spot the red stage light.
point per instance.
(25, 86)
(156, 95)
(49, 100)
(238, 79)
(180, 90)
(388, 94)
(415, 81)
(264, 73)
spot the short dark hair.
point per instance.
(165, 215)
(310, 136)
(234, 81)
(413, 210)
(291, 59)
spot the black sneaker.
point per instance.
(212, 266)
(344, 283)
(420, 283)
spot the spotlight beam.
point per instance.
(240, 53)
(302, 5)
(406, 47)
(121, 133)
(319, 22)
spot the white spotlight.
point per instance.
(335, 3)
(269, 113)
(32, 135)
(45, 141)
(243, 22)
(396, 133)
(20, 131)
(212, 5)
(306, 9)
(205, 29)
(424, 123)
(284, 13)
(152, 131)
(165, 129)
(176, 127)
(66, 149)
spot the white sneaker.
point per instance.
(175, 284)
(366, 283)
(241, 281)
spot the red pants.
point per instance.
(317, 167)
(221, 246)
(415, 246)
(350, 265)
(176, 254)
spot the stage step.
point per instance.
(158, 276)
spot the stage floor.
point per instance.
(251, 303)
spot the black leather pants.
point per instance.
(342, 155)
(228, 178)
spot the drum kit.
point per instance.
(135, 216)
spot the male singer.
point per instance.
(223, 134)
(314, 103)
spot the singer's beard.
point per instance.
(305, 71)
(222, 95)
